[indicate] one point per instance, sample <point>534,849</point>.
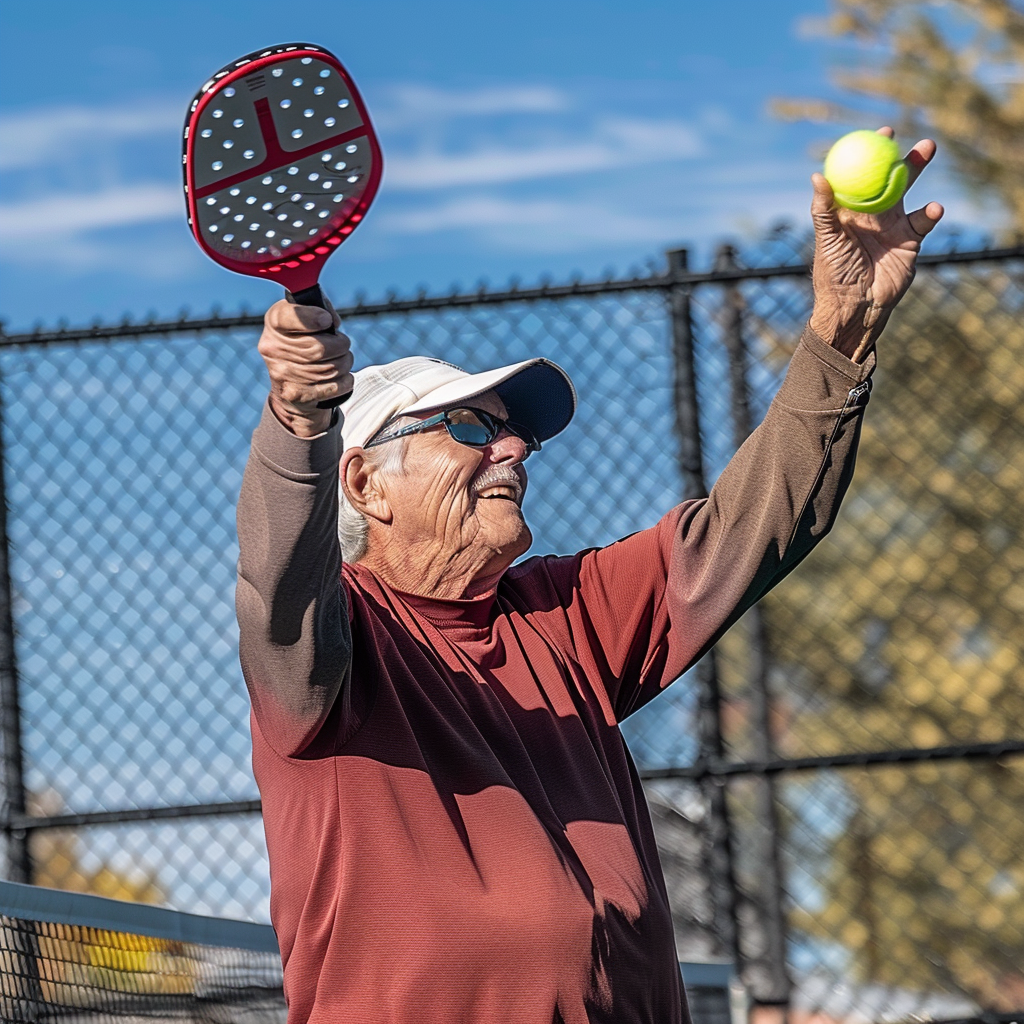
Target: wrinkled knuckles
<point>336,354</point>
<point>293,393</point>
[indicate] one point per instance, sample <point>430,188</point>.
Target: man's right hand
<point>864,263</point>
<point>308,362</point>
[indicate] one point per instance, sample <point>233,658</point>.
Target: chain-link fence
<point>838,791</point>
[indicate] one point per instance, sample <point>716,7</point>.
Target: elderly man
<point>456,831</point>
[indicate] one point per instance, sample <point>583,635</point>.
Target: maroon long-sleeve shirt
<point>456,830</point>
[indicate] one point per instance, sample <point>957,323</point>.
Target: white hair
<point>353,526</point>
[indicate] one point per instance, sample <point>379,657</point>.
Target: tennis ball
<point>866,172</point>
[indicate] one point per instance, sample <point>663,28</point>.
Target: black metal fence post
<point>711,746</point>
<point>773,985</point>
<point>19,867</point>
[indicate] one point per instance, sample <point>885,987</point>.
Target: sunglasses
<point>472,427</point>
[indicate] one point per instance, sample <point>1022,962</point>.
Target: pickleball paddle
<point>281,164</point>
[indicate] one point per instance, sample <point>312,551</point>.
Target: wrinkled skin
<point>433,528</point>
<point>451,522</point>
<point>308,361</point>
<point>864,263</point>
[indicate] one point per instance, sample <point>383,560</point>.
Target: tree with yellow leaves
<point>906,629</point>
<point>58,862</point>
<point>952,69</point>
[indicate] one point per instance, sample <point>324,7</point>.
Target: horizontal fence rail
<point>699,770</point>
<point>423,302</point>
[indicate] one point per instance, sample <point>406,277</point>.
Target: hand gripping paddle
<point>281,164</point>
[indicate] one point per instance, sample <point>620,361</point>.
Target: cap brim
<point>537,393</point>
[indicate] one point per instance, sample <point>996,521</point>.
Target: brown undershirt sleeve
<point>777,498</point>
<point>652,604</point>
<point>294,638</point>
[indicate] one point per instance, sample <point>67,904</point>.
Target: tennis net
<point>72,957</point>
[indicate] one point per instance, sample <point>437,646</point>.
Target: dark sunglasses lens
<point>470,433</point>
<point>477,428</point>
<point>469,427</point>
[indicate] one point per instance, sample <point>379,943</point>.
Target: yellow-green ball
<point>866,172</point>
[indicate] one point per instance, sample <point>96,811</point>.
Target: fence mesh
<point>904,884</point>
<point>905,630</point>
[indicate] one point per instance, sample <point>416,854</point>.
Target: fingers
<point>304,349</point>
<point>309,333</point>
<point>310,382</point>
<point>287,318</point>
<point>918,159</point>
<point>923,220</point>
<point>296,388</point>
<point>307,359</point>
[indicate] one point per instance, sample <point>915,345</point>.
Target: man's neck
<point>418,570</point>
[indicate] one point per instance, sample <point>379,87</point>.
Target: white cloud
<point>616,143</point>
<point>35,137</point>
<point>172,258</point>
<point>56,217</point>
<point>50,134</point>
<point>408,105</point>
<point>483,211</point>
<point>674,204</point>
<point>542,225</point>
<point>812,27</point>
<point>543,222</point>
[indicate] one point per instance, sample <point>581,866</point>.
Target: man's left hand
<point>864,263</point>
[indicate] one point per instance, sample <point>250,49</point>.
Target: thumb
<point>823,200</point>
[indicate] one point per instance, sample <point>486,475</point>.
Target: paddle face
<point>281,163</point>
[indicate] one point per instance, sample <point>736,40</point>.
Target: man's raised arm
<point>794,469</point>
<point>294,640</point>
<point>658,600</point>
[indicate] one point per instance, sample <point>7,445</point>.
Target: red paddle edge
<point>302,267</point>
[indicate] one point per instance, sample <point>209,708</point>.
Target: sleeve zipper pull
<point>861,389</point>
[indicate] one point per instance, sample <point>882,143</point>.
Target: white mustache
<point>499,475</point>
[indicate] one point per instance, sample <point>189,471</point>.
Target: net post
<point>771,895</point>
<point>718,834</point>
<point>12,807</point>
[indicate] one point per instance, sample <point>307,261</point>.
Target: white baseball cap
<point>537,394</point>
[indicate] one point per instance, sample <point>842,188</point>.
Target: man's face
<point>459,508</point>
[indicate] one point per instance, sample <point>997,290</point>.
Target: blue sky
<point>557,136</point>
